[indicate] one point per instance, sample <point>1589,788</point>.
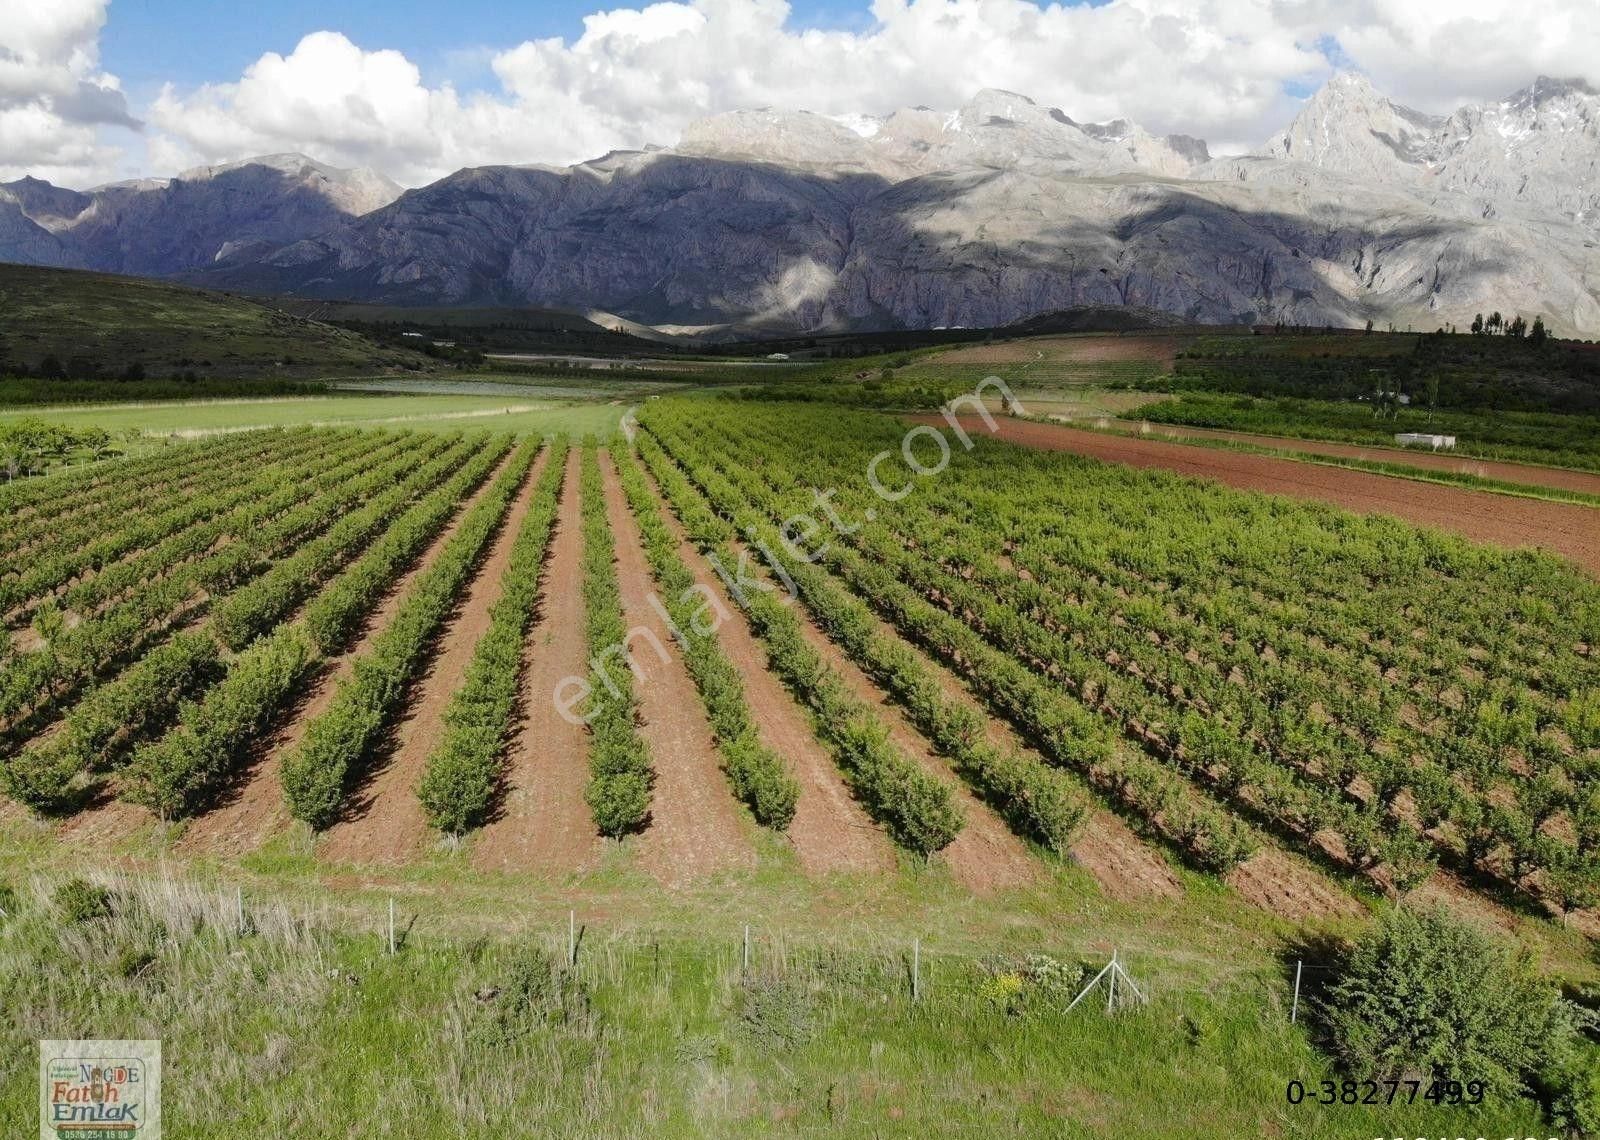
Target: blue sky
<point>147,42</point>
<point>188,42</point>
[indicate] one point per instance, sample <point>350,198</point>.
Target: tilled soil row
<point>255,810</point>
<point>543,823</point>
<point>830,830</point>
<point>695,827</point>
<point>385,822</point>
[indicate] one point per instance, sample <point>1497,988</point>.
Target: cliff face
<point>164,227</point>
<point>1361,209</point>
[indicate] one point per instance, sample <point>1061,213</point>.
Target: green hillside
<point>98,326</point>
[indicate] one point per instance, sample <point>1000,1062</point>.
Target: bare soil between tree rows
<point>254,809</point>
<point>830,830</point>
<point>384,822</point>
<point>542,822</point>
<point>695,827</point>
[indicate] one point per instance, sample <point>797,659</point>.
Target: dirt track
<point>1570,531</point>
<point>695,826</point>
<point>385,822</point>
<point>543,823</point>
<point>255,809</point>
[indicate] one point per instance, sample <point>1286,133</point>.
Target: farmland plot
<point>1392,698</point>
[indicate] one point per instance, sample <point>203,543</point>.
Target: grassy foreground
<point>296,1026</point>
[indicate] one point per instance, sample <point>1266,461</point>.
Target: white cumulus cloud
<point>1213,68</point>
<point>53,97</point>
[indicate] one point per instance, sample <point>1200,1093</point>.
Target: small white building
<point>1425,439</point>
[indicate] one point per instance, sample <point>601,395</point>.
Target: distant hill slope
<point>1094,318</point>
<point>98,324</point>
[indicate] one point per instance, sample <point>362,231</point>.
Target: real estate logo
<point>99,1090</point>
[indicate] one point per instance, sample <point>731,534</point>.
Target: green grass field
<point>513,412</point>
<point>660,1031</point>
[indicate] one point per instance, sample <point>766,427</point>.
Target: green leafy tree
<point>97,440</point>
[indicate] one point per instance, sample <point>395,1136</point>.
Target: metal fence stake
<point>1294,1008</point>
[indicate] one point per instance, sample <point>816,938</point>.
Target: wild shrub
<point>1424,996</point>
<point>1037,983</point>
<point>777,1015</point>
<point>529,996</point>
<point>78,900</point>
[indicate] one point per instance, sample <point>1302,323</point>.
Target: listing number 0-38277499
<point>1386,1092</point>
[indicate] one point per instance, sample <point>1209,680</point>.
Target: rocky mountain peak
<point>797,138</point>
<point>1544,89</point>
<point>354,190</point>
<point>993,129</point>
<point>1535,152</point>
<point>1347,125</point>
<point>51,207</point>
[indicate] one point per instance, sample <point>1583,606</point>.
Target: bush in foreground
<point>1425,996</point>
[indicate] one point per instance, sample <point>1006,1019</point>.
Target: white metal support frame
<point>1112,971</point>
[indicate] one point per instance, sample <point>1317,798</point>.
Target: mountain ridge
<point>789,221</point>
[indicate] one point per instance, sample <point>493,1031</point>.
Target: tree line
<point>30,447</point>
<point>1517,328</point>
